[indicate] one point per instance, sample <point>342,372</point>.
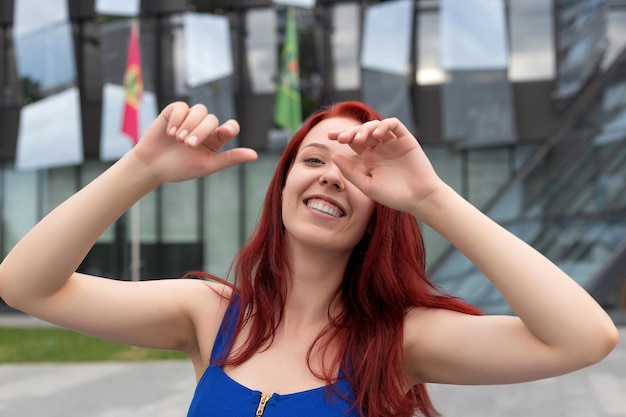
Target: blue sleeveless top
<point>218,395</point>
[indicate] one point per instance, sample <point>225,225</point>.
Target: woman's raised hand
<point>182,143</point>
<point>395,170</point>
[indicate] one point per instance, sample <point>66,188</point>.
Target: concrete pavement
<point>155,389</point>
<point>165,388</point>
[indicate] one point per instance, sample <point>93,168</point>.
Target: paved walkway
<point>165,388</point>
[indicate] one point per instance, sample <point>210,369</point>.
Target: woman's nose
<point>332,177</point>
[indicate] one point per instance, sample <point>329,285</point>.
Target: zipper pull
<point>262,403</point>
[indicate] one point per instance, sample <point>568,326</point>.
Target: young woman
<point>330,313</point>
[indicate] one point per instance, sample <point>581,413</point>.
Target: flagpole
<point>131,125</point>
<point>135,212</point>
<point>135,246</point>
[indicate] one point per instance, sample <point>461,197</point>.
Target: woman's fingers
<point>358,137</point>
<point>233,157</point>
<point>195,126</point>
<point>222,134</point>
<point>175,113</point>
<point>371,134</point>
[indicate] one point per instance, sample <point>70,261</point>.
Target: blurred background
<point>520,104</point>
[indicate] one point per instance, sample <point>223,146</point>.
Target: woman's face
<point>320,207</point>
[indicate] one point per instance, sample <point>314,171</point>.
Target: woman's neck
<point>315,278</point>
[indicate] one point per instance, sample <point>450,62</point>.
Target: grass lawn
<point>51,344</point>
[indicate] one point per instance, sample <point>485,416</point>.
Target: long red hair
<point>384,278</point>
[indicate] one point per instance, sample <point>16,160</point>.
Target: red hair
<point>384,278</point>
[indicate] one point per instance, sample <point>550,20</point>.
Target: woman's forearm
<point>552,305</point>
<point>46,257</point>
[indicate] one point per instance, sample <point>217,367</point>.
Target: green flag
<point>288,106</point>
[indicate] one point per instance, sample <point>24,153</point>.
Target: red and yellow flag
<point>133,87</point>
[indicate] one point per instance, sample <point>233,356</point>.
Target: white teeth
<point>323,208</point>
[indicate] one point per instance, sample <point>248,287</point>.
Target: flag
<point>133,87</point>
<point>288,105</point>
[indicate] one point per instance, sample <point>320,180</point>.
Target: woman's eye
<point>313,160</point>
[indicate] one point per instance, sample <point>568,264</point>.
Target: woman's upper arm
<point>163,314</point>
<point>443,346</point>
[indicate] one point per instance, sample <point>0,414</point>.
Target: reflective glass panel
<point>179,207</point>
<point>257,177</point>
<point>118,7</point>
<point>386,40</point>
<point>207,48</point>
<point>222,211</point>
<point>604,186</point>
<point>532,40</point>
<point>45,60</point>
<point>510,205</point>
<point>89,171</point>
<point>561,189</point>
<point>428,44</point>
<point>447,163</point>
<point>219,99</point>
<point>389,94</point>
<point>19,205</point>
<point>591,177</point>
<point>455,267</point>
<point>261,51</point>
<point>478,108</point>
<point>297,3</point>
<point>50,132</point>
<point>148,218</point>
<point>473,35</point>
<point>488,170</point>
<point>570,204</point>
<point>593,248</point>
<point>36,15</point>
<point>345,37</point>
<point>616,33</point>
<point>581,42</point>
<point>60,184</point>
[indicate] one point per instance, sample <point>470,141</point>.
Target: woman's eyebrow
<point>316,145</point>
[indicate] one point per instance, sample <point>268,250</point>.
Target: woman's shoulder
<point>207,304</point>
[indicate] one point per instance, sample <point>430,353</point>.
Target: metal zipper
<point>262,403</point>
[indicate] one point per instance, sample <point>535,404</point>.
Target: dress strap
<point>221,346</point>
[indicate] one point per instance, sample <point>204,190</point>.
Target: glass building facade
<point>518,103</point>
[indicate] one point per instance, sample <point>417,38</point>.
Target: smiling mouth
<point>324,207</point>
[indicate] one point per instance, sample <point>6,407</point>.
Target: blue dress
<point>218,395</point>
